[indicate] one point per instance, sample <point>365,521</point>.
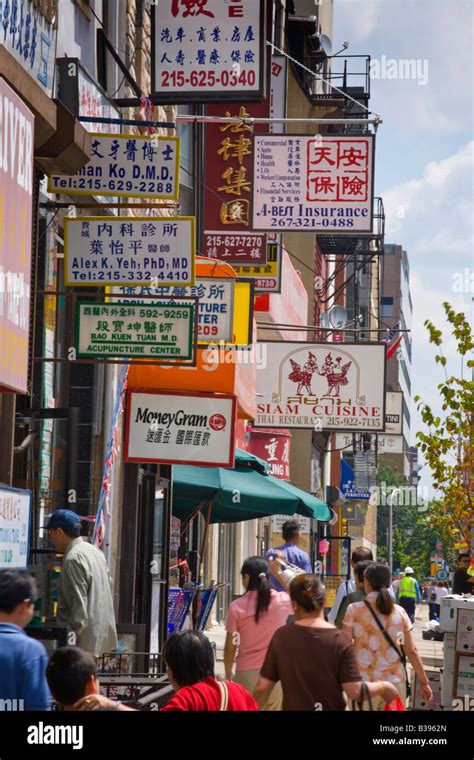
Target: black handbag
<point>390,641</point>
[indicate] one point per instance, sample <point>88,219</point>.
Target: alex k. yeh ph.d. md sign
<point>129,250</point>
<point>134,166</point>
<point>313,183</point>
<point>320,386</point>
<point>180,428</point>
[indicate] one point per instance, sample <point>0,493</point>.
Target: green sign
<point>114,330</point>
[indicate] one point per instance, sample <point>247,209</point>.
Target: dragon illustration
<point>334,371</point>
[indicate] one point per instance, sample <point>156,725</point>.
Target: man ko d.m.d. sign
<point>180,428</point>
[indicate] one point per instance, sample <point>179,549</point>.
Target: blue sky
<point>424,156</point>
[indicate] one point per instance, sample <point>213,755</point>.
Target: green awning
<point>242,493</point>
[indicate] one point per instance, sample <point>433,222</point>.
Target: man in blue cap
<point>85,597</point>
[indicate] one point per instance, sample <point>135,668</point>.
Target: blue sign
<point>348,486</point>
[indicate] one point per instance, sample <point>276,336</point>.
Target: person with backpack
<point>381,632</point>
<point>409,594</point>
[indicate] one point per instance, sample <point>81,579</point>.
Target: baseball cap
<point>65,519</point>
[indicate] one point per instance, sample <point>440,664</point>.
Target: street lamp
<point>390,526</point>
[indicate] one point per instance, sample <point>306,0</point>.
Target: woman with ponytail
<point>381,631</point>
<point>313,660</point>
<point>251,622</point>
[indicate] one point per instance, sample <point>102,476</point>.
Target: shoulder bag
<point>391,642</point>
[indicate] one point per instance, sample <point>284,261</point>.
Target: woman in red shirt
<point>190,667</point>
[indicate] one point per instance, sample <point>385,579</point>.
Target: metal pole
<point>198,119</point>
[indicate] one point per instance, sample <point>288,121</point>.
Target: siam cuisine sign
<point>303,184</point>
<point>207,50</point>
<point>322,387</point>
<point>180,428</point>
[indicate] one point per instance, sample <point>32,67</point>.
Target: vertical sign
<point>207,50</point>
<point>16,201</point>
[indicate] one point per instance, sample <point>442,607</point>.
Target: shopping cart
<point>179,605</point>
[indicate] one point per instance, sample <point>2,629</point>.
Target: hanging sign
<point>394,413</point>
<point>115,330</point>
<point>129,250</point>
<point>386,444</point>
<point>322,183</point>
<point>16,209</point>
<point>29,32</point>
<point>207,50</point>
<point>180,428</point>
<point>15,514</point>
<point>266,277</point>
<point>274,447</point>
<point>134,166</point>
<point>215,309</point>
<point>322,387</point>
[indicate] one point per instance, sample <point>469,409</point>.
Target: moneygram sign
<point>16,199</point>
<point>180,428</point>
<point>320,386</point>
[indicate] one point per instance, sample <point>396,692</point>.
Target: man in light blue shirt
<point>293,554</point>
<point>23,660</point>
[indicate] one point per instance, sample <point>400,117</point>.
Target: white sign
<point>208,50</point>
<point>134,166</point>
<point>180,428</point>
<point>27,32</point>
<point>279,520</point>
<point>215,309</point>
<point>303,184</point>
<point>320,386</point>
<point>148,330</point>
<point>15,509</point>
<point>129,250</point>
<point>394,413</point>
<point>386,444</point>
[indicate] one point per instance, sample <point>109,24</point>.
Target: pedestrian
<point>348,586</point>
<point>22,659</point>
<point>381,631</point>
<point>409,594</point>
<point>291,532</point>
<point>72,679</point>
<point>440,592</point>
<point>251,622</point>
<point>396,584</point>
<point>354,596</point>
<point>314,661</point>
<point>432,600</point>
<point>463,583</point>
<point>85,596</point>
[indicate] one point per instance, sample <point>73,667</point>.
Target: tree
<point>413,537</point>
<point>448,443</point>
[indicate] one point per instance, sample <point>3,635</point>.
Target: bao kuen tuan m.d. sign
<point>320,386</point>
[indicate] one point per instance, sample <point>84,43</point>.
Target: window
<point>387,306</point>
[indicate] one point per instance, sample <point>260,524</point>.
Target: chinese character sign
<point>320,386</point>
<point>266,277</point>
<point>208,50</point>
<point>16,199</point>
<point>28,33</point>
<point>148,330</point>
<point>134,166</point>
<point>215,308</point>
<point>129,250</point>
<point>15,508</point>
<point>313,183</point>
<point>274,448</point>
<point>180,428</point>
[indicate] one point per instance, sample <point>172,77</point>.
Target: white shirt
<point>440,593</point>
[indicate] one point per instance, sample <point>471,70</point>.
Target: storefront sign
<point>129,250</point>
<point>28,32</point>
<point>320,386</point>
<point>15,514</point>
<point>394,413</point>
<point>235,248</point>
<point>313,183</point>
<point>180,428</point>
<point>349,487</point>
<point>207,50</point>
<point>267,278</point>
<point>134,166</point>
<point>116,330</point>
<point>84,97</point>
<point>279,520</point>
<point>215,310</point>
<point>16,200</point>
<point>386,444</point>
<point>274,448</point>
